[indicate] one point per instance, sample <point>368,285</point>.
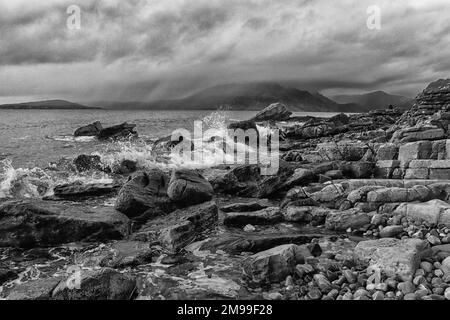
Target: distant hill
<point>246,96</point>
<point>375,100</point>
<point>47,104</point>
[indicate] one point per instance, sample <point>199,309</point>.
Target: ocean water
<point>31,139</point>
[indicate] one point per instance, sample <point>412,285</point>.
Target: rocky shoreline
<point>359,210</point>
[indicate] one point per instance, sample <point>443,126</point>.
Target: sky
<point>142,50</point>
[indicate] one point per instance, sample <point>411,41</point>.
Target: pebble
<point>410,296</point>
<point>420,272</point>
<point>289,283</point>
<point>406,287</point>
<point>360,293</point>
<point>323,283</point>
<point>347,296</point>
<point>439,291</point>
<point>419,280</point>
<point>438,273</point>
<point>314,294</point>
<point>447,293</point>
<point>303,269</point>
<point>421,293</point>
<point>274,296</point>
<point>378,295</point>
<point>349,276</point>
<point>249,228</point>
<point>434,240</point>
<point>391,231</point>
<point>333,294</point>
<point>391,283</point>
<point>381,287</point>
<point>426,266</point>
<point>390,295</point>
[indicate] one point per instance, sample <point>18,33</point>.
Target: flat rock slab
<point>393,257</point>
<point>40,289</point>
<point>262,217</point>
<point>119,254</point>
<point>238,243</point>
<point>37,223</point>
<point>179,228</point>
<point>246,206</point>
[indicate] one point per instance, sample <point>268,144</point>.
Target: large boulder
<point>393,257</point>
<point>145,193</point>
<point>89,130</point>
<point>188,187</point>
<point>181,227</point>
<point>38,223</point>
<point>247,181</point>
<point>274,112</point>
<point>275,264</point>
<point>123,130</point>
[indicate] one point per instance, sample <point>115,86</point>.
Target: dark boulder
<point>123,130</point>
<point>145,193</point>
<point>38,223</point>
<point>188,187</point>
<point>89,130</point>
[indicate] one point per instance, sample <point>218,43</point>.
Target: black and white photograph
<point>247,153</point>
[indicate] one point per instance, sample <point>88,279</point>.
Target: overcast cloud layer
<point>150,49</point>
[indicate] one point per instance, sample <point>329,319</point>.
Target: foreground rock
<point>275,264</point>
<point>37,223</point>
<point>145,195</point>
<point>188,187</point>
<point>103,284</point>
<point>393,257</point>
<point>176,230</point>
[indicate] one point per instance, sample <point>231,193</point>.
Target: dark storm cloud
<point>149,49</point>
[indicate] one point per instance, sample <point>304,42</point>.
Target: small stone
<point>249,228</point>
<point>438,273</point>
<point>347,296</point>
<point>274,296</point>
<point>406,287</point>
<point>391,231</point>
<point>333,294</point>
<point>419,280</point>
<point>420,272</point>
<point>445,240</point>
<point>390,295</point>
<point>349,276</point>
<point>314,294</point>
<point>421,293</point>
<point>303,269</point>
<point>434,240</point>
<point>360,293</point>
<point>439,291</point>
<point>410,296</point>
<point>391,283</point>
<point>381,287</point>
<point>378,295</point>
<point>447,293</point>
<point>289,282</point>
<point>323,283</point>
<point>436,297</point>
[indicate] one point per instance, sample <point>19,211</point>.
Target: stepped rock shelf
<point>359,210</point>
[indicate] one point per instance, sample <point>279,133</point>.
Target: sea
<point>33,142</point>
